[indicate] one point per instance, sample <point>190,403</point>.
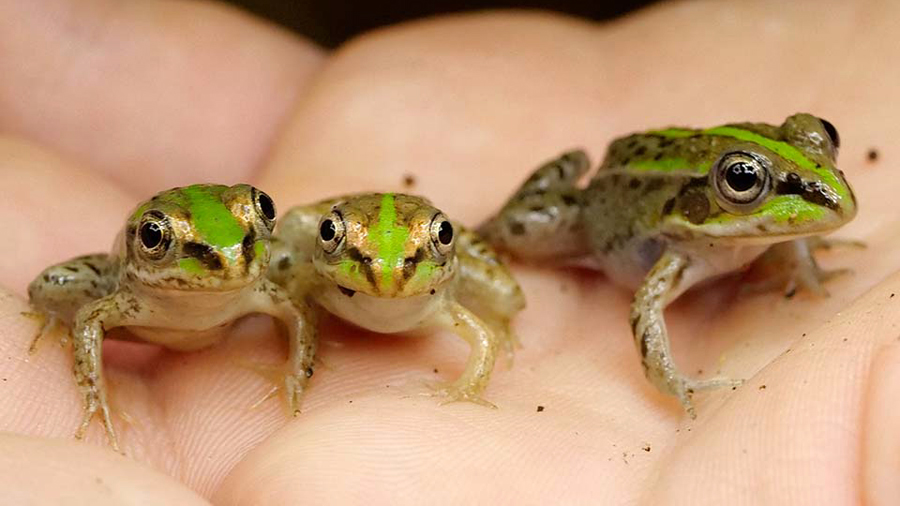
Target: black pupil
<point>445,233</point>
<point>832,132</point>
<point>327,230</point>
<point>266,206</point>
<point>741,176</point>
<point>151,235</point>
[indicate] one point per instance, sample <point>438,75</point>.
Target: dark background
<point>331,22</point>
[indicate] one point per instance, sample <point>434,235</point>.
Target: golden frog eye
<point>442,234</point>
<point>154,235</point>
<point>741,180</point>
<point>331,231</point>
<point>265,207</point>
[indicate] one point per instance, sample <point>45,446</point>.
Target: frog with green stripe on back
<point>670,208</point>
<point>188,262</point>
<point>392,263</point>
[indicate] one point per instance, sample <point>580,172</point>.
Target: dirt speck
<point>762,387</point>
<point>540,409</point>
<point>873,154</point>
<point>409,181</point>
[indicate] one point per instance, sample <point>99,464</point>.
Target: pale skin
<point>816,424</point>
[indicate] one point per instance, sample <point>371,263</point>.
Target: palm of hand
<point>469,106</point>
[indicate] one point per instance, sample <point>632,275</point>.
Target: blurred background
<point>331,22</point>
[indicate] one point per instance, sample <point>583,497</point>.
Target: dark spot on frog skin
<point>813,192</point>
<point>410,264</point>
<point>284,264</point>
<point>634,184</point>
<point>569,199</point>
<point>668,206</point>
<point>71,268</point>
<point>641,151</point>
<point>432,291</point>
<point>516,228</point>
<point>536,209</point>
<point>247,249</point>
<point>346,291</point>
<point>205,254</point>
<point>366,262</point>
<point>658,156</point>
<point>632,143</point>
<point>872,155</point>
<point>694,206</point>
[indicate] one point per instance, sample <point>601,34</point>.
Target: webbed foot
<point>453,392</point>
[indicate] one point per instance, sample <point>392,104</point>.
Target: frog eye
<point>442,234</point>
<point>265,207</point>
<point>741,180</point>
<point>832,133</point>
<point>154,235</point>
<point>331,232</point>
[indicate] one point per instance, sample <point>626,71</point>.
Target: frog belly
<point>379,314</point>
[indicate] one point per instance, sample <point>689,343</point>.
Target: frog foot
<point>685,388</point>
<point>280,380</point>
<point>453,392</point>
<point>94,404</point>
<point>47,324</point>
<point>792,266</point>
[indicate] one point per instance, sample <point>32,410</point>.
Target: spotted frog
<point>393,263</point>
<point>188,262</point>
<point>670,208</point>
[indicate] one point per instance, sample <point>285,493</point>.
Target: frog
<point>393,263</point>
<point>187,263</point>
<point>671,208</point>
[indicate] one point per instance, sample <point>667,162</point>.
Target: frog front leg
<point>484,343</point>
<point>299,318</point>
<point>792,265</point>
<point>486,285</point>
<point>91,323</point>
<point>651,337</point>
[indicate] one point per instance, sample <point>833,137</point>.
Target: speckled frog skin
<point>669,208</point>
<point>393,263</point>
<point>188,262</point>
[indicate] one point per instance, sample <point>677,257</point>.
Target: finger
<point>151,93</point>
<point>80,474</point>
<point>54,210</point>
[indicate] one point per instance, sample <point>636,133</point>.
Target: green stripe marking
<point>389,238</point>
<point>191,265</point>
<point>213,221</point>
<point>669,165</point>
<point>780,148</point>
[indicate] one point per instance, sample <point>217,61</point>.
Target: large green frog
<point>670,208</point>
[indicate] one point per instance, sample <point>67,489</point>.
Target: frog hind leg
<point>792,265</point>
<point>652,339</point>
<point>299,318</point>
<point>484,343</point>
<point>542,220</point>
<point>487,286</point>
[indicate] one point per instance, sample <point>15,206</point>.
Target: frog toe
<point>452,392</point>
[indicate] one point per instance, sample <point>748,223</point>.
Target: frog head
<point>761,183</point>
<point>199,237</point>
<point>385,245</point>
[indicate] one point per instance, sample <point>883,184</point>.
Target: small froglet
<point>188,262</point>
<point>670,208</point>
<point>392,263</point>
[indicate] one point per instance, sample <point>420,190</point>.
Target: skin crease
<point>469,105</point>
